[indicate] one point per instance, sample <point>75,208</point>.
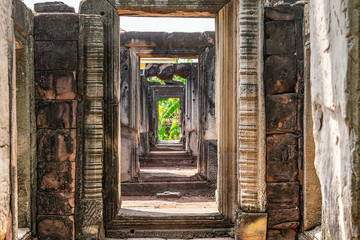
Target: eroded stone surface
<point>280,74</point>
<point>57,84</point>
<point>56,227</point>
<point>282,157</point>
<point>56,146</point>
<point>334,89</point>
<point>5,38</point>
<point>55,203</point>
<point>282,195</point>
<point>280,37</point>
<point>284,13</point>
<point>53,7</point>
<point>50,27</point>
<point>53,115</point>
<point>281,112</point>
<point>56,176</point>
<point>55,55</point>
<point>251,226</point>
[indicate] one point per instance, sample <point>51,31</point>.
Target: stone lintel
<point>251,226</point>
<point>23,21</point>
<point>47,7</point>
<point>179,8</point>
<point>163,40</point>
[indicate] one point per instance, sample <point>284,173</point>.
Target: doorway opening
<point>173,167</point>
<point>169,122</point>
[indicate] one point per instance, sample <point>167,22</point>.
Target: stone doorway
<point>250,198</point>
<point>172,179</point>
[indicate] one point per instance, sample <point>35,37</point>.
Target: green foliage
<point>180,78</point>
<point>156,79</point>
<point>169,119</point>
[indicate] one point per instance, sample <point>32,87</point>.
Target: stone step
<point>149,238</point>
<point>168,154</point>
<point>168,147</point>
<point>168,159</point>
<point>188,188</point>
<point>169,175</point>
<point>170,227</point>
<point>154,162</point>
<point>202,233</point>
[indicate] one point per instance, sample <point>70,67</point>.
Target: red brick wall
<point>283,76</point>
<point>56,47</point>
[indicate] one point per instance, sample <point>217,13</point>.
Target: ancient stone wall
<point>207,116</point>
<point>129,107</point>
<point>334,36</point>
<point>25,111</point>
<point>6,75</point>
<point>57,98</point>
<point>284,91</point>
<point>111,114</point>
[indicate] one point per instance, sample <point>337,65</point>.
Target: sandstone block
<point>50,27</point>
<point>280,38</point>
<point>282,158</point>
<point>23,18</point>
<point>55,203</point>
<point>251,226</point>
<point>288,234</point>
<point>178,40</point>
<point>56,115</point>
<point>299,41</point>
<point>144,40</point>
<point>55,55</point>
<point>282,195</point>
<point>284,218</point>
<point>280,74</point>
<point>284,13</point>
<point>169,195</point>
<point>56,146</point>
<point>56,177</point>
<point>281,113</point>
<point>52,85</point>
<point>53,7</point>
<point>55,227</point>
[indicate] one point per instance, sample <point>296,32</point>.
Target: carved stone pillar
<point>251,108</point>
<point>251,149</point>
<point>92,33</point>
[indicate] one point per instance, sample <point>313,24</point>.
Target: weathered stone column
<point>335,73</point>
<point>25,111</point>
<point>251,148</point>
<point>6,78</point>
<point>251,108</point>
<point>111,110</point>
<point>92,48</point>
<point>226,86</point>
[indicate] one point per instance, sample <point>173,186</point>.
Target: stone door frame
<point>240,107</point>
<point>161,92</point>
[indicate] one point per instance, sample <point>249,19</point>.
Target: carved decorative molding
<point>94,114</point>
<point>251,108</point>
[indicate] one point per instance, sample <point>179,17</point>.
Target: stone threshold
<point>184,218</point>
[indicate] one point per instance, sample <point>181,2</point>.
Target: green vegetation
<point>169,119</point>
<point>156,79</point>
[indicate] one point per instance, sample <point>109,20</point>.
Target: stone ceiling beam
<point>178,8</point>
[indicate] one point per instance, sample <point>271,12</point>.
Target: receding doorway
<point>173,169</point>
